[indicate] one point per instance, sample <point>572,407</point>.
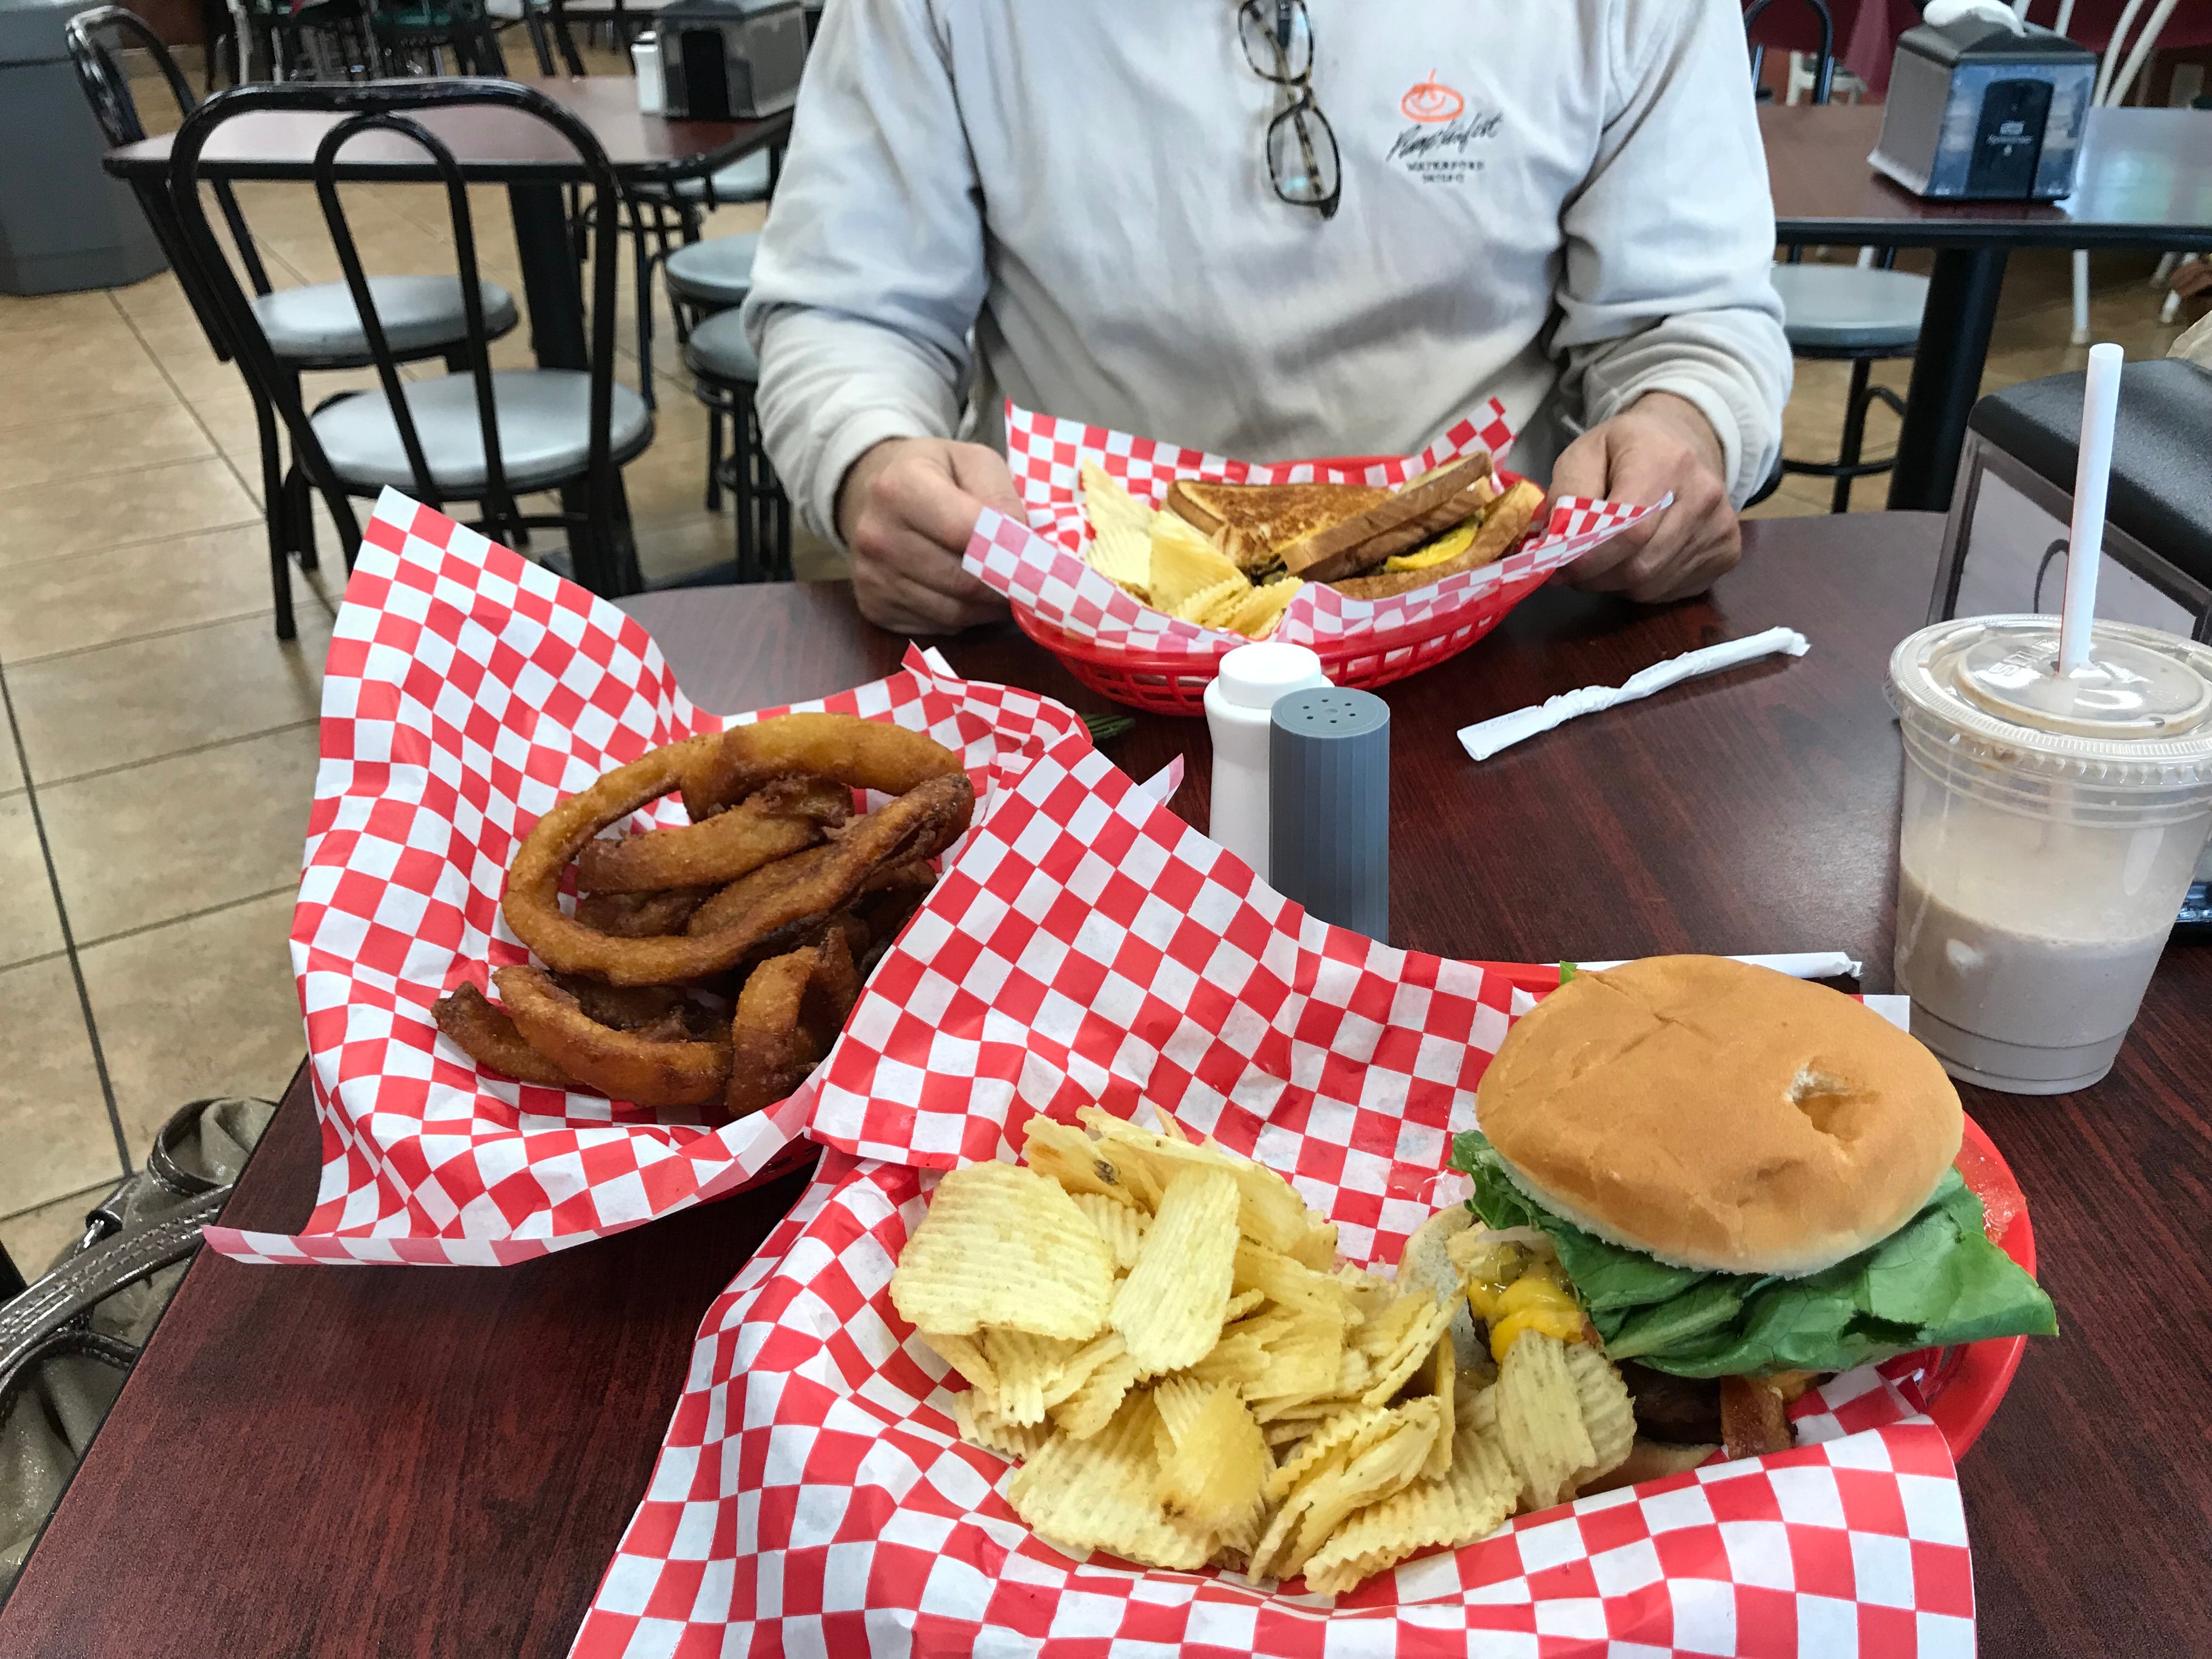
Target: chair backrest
<point>1824,72</point>
<point>392,107</point>
<point>107,89</point>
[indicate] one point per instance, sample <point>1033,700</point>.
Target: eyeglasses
<point>1301,159</point>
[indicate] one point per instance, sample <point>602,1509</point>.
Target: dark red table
<point>397,1461</point>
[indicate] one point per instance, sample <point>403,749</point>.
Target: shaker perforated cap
<point>1328,845</point>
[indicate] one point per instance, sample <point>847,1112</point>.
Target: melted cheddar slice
<point>1535,1301</point>
<point>1449,545</point>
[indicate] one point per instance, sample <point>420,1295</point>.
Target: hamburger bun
<point>1720,1117</point>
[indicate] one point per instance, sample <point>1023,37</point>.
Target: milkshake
<point>2052,824</point>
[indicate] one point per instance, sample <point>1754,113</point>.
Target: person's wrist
<point>1679,414</point>
<point>853,489</point>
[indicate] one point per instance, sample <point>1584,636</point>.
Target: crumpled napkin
<point>1940,12</point>
<point>1485,737</point>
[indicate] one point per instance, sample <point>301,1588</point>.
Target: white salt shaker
<point>645,58</point>
<point>1237,705</point>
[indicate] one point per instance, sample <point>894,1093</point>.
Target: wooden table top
<point>394,1462</point>
<point>495,144</point>
<point>2145,180</point>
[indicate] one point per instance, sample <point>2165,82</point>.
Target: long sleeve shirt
<point>1562,204</point>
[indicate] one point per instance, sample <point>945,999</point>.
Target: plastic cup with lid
<point>2051,823</point>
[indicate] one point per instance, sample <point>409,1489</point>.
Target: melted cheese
<point>1449,545</point>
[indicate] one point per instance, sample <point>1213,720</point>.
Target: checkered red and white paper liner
<point>467,691</point>
<point>1041,566</point>
<point>812,1496</point>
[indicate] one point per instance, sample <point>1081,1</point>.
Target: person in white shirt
<point>1284,229</point>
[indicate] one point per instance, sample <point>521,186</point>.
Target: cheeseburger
<point>1733,1181</point>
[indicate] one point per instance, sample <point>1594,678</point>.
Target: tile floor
<point>160,749</point>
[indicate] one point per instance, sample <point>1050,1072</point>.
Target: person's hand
<point>1658,443</point>
<point>905,510</point>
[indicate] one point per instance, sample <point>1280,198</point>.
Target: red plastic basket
<point>1162,684</point>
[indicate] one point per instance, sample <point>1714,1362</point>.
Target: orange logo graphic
<point>1430,100</point>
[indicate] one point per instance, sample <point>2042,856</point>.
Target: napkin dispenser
<point>731,60</point>
<point>1978,111</point>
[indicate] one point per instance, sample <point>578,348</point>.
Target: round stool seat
<point>717,350</point>
<point>321,324</point>
<point>716,274</point>
<point>1842,308</point>
<point>740,181</point>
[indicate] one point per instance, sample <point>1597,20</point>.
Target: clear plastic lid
<point>2139,712</point>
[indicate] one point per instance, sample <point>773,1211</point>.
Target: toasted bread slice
<point>1430,504</point>
<point>1503,526</point>
<point>1251,522</point>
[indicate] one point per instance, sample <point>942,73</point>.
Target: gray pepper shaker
<point>1329,844</point>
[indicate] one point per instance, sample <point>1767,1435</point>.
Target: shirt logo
<point>1430,100</point>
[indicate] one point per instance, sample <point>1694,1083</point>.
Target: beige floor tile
<point>53,1122</point>
<point>231,1026</point>
<point>58,451</point>
<point>34,1238</point>
<point>101,599</point>
<point>155,842</point>
<point>93,711</point>
<point>89,370</point>
<point>11,769</point>
<point>87,515</point>
<point>21,312</point>
<point>29,924</point>
<point>158,299</point>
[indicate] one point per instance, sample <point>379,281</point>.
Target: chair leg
<point>1855,412</point>
<point>2080,296</point>
<point>714,458</point>
<point>741,485</point>
<point>276,510</point>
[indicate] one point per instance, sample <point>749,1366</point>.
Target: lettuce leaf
<point>1936,1281</point>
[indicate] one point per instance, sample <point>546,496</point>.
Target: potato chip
<point>1293,1284</point>
<point>1073,1159</point>
<point>1242,1303</point>
<point>1026,1365</point>
<point>1539,1419</point>
<point>1122,553</point>
<point>1237,1359</point>
<point>1257,611</point>
<point>1371,1294</point>
<point>1304,1355</point>
<point>1348,1432</point>
<point>965,1355</point>
<point>1106,499</point>
<point>1286,1436</point>
<point>1001,1245</point>
<point>1608,1418</point>
<point>1214,1463</point>
<point>1169,1309</point>
<point>1220,598</point>
<point>1269,1211</point>
<point>1184,563</point>
<point>1477,1407</point>
<point>980,1425</point>
<point>1472,1502</point>
<point>1428,1324</point>
<point>1119,1223</point>
<point>1106,1380</point>
<point>1343,1481</point>
<point>1443,1383</point>
<point>1316,1246</point>
<point>1101,1493</point>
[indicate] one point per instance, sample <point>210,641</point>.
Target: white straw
<point>2100,409</point>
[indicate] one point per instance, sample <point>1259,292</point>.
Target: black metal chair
<point>317,327</point>
<point>1857,314</point>
<point>475,435</point>
<point>703,278</point>
<point>726,377</point>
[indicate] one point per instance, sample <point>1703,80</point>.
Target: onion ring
<point>641,915</point>
<point>626,1064</point>
<point>786,815</point>
<point>862,754</point>
<point>488,1036</point>
<point>919,824</point>
<point>788,1015</point>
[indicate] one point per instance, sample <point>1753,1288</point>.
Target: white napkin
<point>1485,737</point>
<point>1940,12</point>
<point>1798,964</point>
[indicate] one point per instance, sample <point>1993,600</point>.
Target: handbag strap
<point>90,1277</point>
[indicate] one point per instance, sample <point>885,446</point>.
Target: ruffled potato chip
<point>1169,1309</point>
<point>1209,604</point>
<point>1102,1493</point>
<point>1539,1419</point>
<point>1256,615</point>
<point>1184,563</point>
<point>1001,1245</point>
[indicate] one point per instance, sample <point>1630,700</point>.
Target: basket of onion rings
<point>569,949</point>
